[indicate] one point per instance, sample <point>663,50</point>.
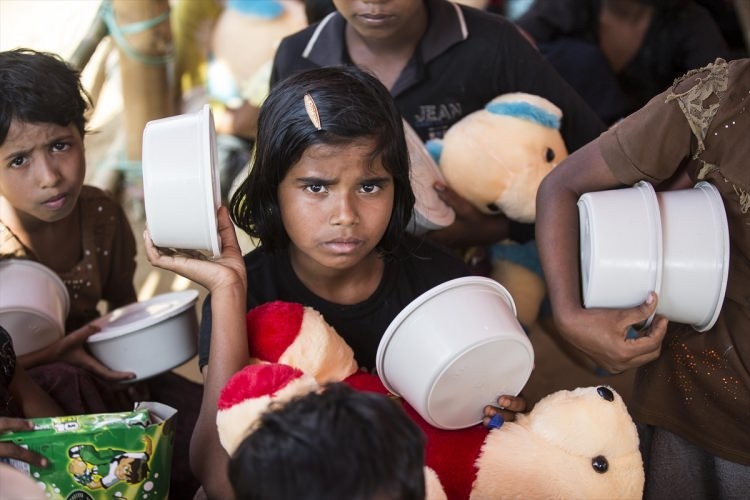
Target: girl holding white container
<point>329,198</point>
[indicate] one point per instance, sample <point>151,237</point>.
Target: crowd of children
<point>329,201</point>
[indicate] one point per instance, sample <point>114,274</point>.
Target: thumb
<point>640,314</point>
<point>452,199</point>
<point>84,332</point>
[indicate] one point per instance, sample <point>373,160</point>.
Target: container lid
<point>211,180</point>
<point>139,315</point>
<point>722,237</point>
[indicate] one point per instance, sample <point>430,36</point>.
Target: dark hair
<point>352,104</point>
<point>336,444</point>
<point>39,87</point>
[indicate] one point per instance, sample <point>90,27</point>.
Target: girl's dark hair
<point>39,87</point>
<point>352,104</point>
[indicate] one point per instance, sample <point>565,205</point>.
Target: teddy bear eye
<point>493,207</point>
<point>550,155</point>
<point>600,464</point>
<point>605,393</point>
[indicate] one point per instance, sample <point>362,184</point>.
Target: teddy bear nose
<point>550,155</point>
<point>493,207</point>
<point>605,393</point>
<point>600,464</point>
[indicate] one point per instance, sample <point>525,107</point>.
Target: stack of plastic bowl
<point>455,349</point>
<point>676,243</point>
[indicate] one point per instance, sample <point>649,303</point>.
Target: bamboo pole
<point>146,83</point>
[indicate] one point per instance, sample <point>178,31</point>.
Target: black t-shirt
<point>270,277</point>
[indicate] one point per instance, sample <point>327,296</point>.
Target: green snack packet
<point>102,456</point>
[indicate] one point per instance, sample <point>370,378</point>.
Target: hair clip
<point>312,111</point>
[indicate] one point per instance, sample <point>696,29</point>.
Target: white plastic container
<point>696,255</point>
<point>621,246</point>
<point>148,337</point>
<point>181,181</point>
<point>454,350</point>
<point>34,304</point>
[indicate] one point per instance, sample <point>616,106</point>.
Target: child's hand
<point>471,227</point>
<point>72,350</point>
<point>506,409</point>
<point>12,450</point>
<point>227,270</point>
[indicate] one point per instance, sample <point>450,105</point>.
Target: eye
<point>370,188</point>
<point>315,188</point>
<point>492,207</point>
<point>605,393</point>
<point>600,464</point>
<point>17,162</point>
<point>549,155</point>
<point>60,146</point>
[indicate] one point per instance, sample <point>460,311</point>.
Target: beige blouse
<point>107,265</point>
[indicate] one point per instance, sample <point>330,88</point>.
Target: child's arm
<point>226,279</point>
<point>34,402</point>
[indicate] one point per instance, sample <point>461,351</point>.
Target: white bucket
<point>148,337</point>
<point>621,246</point>
<point>455,349</point>
<point>34,303</point>
<point>696,255</point>
<point>181,181</point>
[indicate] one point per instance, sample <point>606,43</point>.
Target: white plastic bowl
<point>181,181</point>
<point>34,303</point>
<point>455,349</point>
<point>621,246</point>
<point>148,337</point>
<point>696,255</point>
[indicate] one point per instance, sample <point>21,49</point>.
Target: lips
<point>56,201</point>
<point>344,245</point>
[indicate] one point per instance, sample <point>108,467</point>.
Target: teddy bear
<point>496,158</point>
<point>572,444</point>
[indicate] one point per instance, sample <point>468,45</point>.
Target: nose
<point>345,211</point>
<point>47,172</point>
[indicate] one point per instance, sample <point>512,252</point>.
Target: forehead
<point>358,154</point>
<point>23,134</point>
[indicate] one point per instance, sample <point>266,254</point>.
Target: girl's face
<point>335,205</point>
<point>42,169</point>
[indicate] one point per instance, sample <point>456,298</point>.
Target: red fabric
<point>254,381</point>
<point>451,454</point>
<point>272,327</point>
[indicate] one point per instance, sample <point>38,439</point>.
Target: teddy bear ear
<point>435,148</point>
<point>250,392</point>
